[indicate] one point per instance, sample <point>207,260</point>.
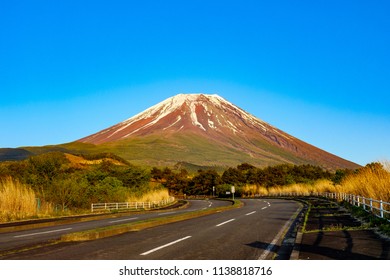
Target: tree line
<point>208,182</point>
<point>55,179</point>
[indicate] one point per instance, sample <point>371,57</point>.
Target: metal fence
<point>120,206</point>
<point>378,207</point>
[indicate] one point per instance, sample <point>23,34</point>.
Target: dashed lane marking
<point>166,213</point>
<point>164,246</point>
<point>42,232</point>
<point>123,220</point>
<point>224,223</point>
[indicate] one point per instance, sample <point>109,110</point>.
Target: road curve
<point>18,239</point>
<point>251,232</point>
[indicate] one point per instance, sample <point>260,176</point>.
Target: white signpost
<point>233,191</point>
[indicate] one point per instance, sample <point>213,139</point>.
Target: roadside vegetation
<point>58,184</point>
<point>372,180</point>
<point>17,201</point>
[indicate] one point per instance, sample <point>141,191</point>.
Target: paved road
<point>251,232</point>
<point>17,239</point>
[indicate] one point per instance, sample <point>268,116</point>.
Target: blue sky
<point>319,70</point>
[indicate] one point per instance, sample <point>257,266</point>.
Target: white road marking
<point>251,213</point>
<point>221,224</point>
<point>167,213</point>
<point>164,246</point>
<point>264,208</point>
<point>42,232</point>
<point>123,220</point>
<point>278,236</point>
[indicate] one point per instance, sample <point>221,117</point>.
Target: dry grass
<point>78,161</point>
<point>369,182</point>
<point>153,195</point>
<point>17,201</point>
<point>318,186</point>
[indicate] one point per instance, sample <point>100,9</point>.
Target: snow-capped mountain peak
<point>209,118</point>
<point>201,112</point>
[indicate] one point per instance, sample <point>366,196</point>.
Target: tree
<point>43,169</point>
<point>233,176</point>
<point>156,174</point>
<point>204,182</point>
<point>64,192</point>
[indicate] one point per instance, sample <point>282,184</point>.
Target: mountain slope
<point>207,130</point>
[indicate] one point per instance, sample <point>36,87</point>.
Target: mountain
<point>206,130</point>
<point>8,154</point>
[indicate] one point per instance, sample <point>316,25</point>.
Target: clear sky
<point>319,70</point>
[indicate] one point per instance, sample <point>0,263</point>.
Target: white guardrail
<point>120,206</point>
<point>378,207</point>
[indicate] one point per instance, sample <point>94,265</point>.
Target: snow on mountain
<point>184,111</point>
<point>211,117</point>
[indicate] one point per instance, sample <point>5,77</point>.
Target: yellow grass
<point>318,186</point>
<point>78,161</point>
<point>17,201</point>
<point>369,182</point>
<point>153,195</point>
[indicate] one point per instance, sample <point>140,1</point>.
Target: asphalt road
<point>18,239</point>
<point>252,232</point>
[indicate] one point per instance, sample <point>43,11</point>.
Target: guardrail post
<point>358,201</point>
<point>364,203</point>
<point>381,209</point>
<point>371,205</point>
<point>92,207</point>
<point>105,206</point>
